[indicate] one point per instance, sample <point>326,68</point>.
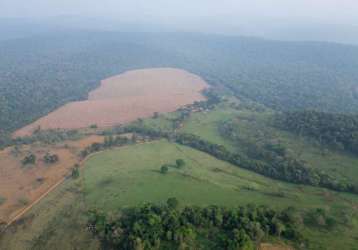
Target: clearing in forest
<point>125,98</point>
<point>21,185</point>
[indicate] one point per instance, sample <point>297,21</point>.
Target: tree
<point>75,172</point>
<point>173,203</point>
<point>164,169</point>
<point>180,163</point>
<point>29,159</point>
<point>50,158</point>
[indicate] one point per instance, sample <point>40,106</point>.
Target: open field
<point>253,127</point>
<point>20,184</point>
<point>127,175</point>
<point>130,175</point>
<point>125,98</point>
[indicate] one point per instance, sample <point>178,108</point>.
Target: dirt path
<point>52,188</point>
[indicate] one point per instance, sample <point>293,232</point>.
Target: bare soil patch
<point>21,185</point>
<point>125,98</point>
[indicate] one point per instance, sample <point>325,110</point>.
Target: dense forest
<point>40,73</point>
<point>339,131</point>
<point>171,227</point>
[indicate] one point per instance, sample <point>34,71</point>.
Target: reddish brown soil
<point>20,183</point>
<point>125,98</point>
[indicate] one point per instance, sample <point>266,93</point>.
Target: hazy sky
<point>327,11</point>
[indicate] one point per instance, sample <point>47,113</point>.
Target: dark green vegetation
<point>339,131</point>
<point>266,157</point>
<point>238,149</point>
<point>29,159</point>
<point>118,179</point>
<point>50,158</point>
<point>154,226</point>
<point>281,75</point>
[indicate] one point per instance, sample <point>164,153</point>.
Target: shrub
<point>164,169</point>
<point>75,172</point>
<point>29,159</point>
<point>180,163</point>
<point>50,158</point>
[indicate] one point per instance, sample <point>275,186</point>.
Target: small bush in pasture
<point>29,159</point>
<point>50,158</point>
<point>180,163</point>
<point>75,172</point>
<point>164,169</point>
<point>23,201</point>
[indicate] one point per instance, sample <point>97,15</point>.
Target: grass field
<point>130,176</point>
<point>206,124</point>
<point>254,126</point>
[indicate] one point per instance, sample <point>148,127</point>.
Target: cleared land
<point>125,98</point>
<point>21,185</point>
<point>130,176</point>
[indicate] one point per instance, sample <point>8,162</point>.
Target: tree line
<point>167,226</point>
<point>271,160</point>
<point>339,131</point>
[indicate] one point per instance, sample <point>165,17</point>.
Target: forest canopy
<point>41,73</point>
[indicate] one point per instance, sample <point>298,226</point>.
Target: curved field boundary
<point>125,98</point>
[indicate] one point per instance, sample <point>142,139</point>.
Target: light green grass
<point>56,222</point>
<point>206,125</point>
<point>251,125</point>
<point>130,176</point>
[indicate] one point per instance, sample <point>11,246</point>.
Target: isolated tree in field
<point>50,158</point>
<point>164,169</point>
<point>75,171</point>
<point>29,159</point>
<point>180,163</point>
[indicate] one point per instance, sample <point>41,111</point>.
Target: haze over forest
<point>318,20</point>
<point>176,124</point>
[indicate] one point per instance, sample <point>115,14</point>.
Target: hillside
<point>264,157</point>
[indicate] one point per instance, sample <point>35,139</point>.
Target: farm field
<point>125,98</point>
<point>129,176</point>
<point>20,185</point>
